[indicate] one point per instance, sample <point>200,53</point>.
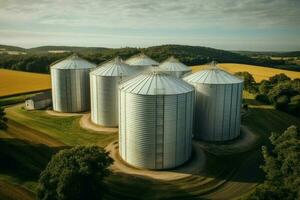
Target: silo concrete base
<point>195,165</point>
<point>86,123</point>
<point>62,114</point>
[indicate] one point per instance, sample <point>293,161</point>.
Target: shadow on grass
<point>124,186</point>
<point>24,160</point>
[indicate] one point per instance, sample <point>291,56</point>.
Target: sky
<point>257,25</point>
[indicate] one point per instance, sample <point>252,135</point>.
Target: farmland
<point>230,171</point>
<point>16,82</point>
<point>259,73</point>
<point>33,136</point>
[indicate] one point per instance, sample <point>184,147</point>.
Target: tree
<point>282,167</point>
<point>282,88</point>
<point>75,174</point>
<point>3,119</point>
<point>249,82</point>
<point>282,103</point>
<point>264,87</point>
<point>279,78</point>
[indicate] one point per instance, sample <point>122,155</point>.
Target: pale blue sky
<point>226,24</point>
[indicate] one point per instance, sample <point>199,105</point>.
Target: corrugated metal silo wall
<point>218,111</point>
<point>70,90</point>
<point>155,132</point>
<point>104,100</point>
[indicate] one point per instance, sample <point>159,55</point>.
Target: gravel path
<point>86,123</point>
<point>62,114</point>
<point>194,166</point>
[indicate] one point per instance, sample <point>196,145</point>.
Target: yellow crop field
<point>16,82</point>
<point>259,73</point>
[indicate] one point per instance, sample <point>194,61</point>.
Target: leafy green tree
<point>3,119</point>
<point>282,168</point>
<point>264,87</point>
<point>75,174</point>
<point>249,82</point>
<point>279,78</point>
<point>282,103</point>
<point>282,88</point>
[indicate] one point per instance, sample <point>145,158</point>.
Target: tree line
<point>279,90</point>
<point>39,61</point>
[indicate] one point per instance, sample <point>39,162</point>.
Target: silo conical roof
<point>172,64</point>
<point>141,60</point>
<point>156,83</point>
<point>73,62</point>
<point>213,75</point>
<point>114,67</point>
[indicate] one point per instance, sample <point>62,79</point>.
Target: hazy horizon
<point>251,25</point>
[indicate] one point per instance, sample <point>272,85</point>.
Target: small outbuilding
<point>39,101</point>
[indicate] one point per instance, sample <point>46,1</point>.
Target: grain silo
<point>218,99</point>
<point>104,82</point>
<point>141,62</point>
<point>174,67</point>
<point>156,120</point>
<point>71,85</point>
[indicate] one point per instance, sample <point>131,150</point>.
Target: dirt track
<point>61,114</point>
<point>17,130</point>
<point>85,122</point>
<point>193,166</point>
<point>10,191</point>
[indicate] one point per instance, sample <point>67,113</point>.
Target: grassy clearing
<point>64,129</point>
<point>259,73</point>
<point>16,82</point>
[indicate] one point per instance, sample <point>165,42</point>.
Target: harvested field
<point>17,82</point>
<point>259,73</point>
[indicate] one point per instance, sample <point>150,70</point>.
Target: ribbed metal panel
<point>217,105</point>
<point>155,131</point>
<point>70,90</point>
<point>71,85</point>
<point>104,91</point>
<point>104,104</point>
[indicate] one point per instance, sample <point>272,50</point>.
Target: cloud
<point>145,18</point>
<point>145,13</point>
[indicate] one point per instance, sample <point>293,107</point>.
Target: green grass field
<point>34,136</point>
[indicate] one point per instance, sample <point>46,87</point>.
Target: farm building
<point>39,101</point>
<point>104,82</point>
<point>156,120</point>
<point>218,99</point>
<point>174,67</point>
<point>71,84</point>
<point>141,62</point>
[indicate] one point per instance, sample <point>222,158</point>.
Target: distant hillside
<point>11,48</point>
<point>193,55</point>
<point>45,49</point>
<point>38,59</point>
<point>269,53</point>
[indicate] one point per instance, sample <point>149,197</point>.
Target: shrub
<point>282,103</point>
<point>75,174</point>
<point>279,78</point>
<point>262,98</point>
<point>249,82</point>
